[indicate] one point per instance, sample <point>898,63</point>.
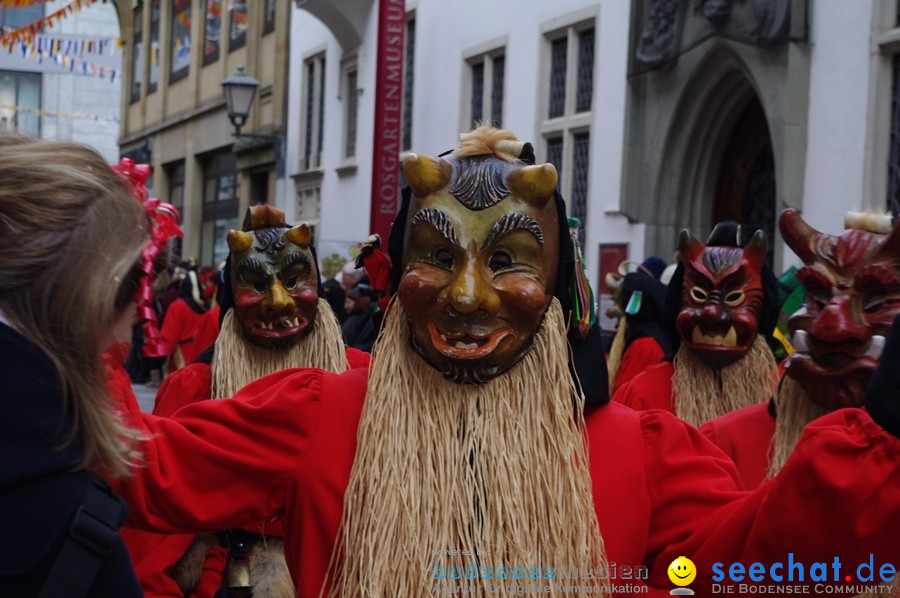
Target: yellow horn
<point>239,241</point>
<point>535,184</point>
<point>300,235</point>
<point>425,174</point>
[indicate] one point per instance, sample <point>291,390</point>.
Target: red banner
<point>388,116</point>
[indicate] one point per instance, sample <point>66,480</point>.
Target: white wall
<point>840,34</point>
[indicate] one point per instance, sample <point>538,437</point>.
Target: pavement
<point>145,396</point>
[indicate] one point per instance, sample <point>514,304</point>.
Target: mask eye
<point>444,257</point>
<point>499,260</point>
<point>259,286</point>
<point>819,297</point>
<point>734,298</point>
<point>699,295</point>
<point>290,283</point>
<point>873,304</point>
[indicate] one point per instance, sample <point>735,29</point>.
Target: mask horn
<point>425,174</point>
<point>535,184</point>
<point>756,249</point>
<point>799,236</point>
<point>300,235</point>
<point>239,241</point>
<point>891,247</point>
<point>689,246</point>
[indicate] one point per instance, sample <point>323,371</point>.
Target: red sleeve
<point>211,467</point>
<point>153,556</point>
<point>183,387</point>
<point>357,358</point>
<point>836,496</point>
<point>640,355</point>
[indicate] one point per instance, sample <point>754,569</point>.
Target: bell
<point>237,579</point>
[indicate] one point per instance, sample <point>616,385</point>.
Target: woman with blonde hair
<point>71,239</point>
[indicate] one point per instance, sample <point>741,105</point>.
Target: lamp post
<point>240,89</point>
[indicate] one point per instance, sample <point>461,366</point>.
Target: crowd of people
<point>443,404</point>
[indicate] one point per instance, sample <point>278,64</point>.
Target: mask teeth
<point>798,340</point>
<point>876,346</point>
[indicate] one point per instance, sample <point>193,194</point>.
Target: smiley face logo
<point>682,571</point>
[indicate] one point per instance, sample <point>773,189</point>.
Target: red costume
<point>180,328</point>
<point>660,489</point>
<point>745,435</point>
<point>639,356</point>
<point>649,389</point>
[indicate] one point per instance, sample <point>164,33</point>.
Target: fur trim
<point>488,141</point>
<point>269,574</point>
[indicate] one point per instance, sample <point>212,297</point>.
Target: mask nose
<point>469,291</point>
<point>277,299</point>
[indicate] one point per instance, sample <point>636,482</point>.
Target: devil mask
<point>273,279</point>
<point>479,261</point>
<point>721,298</point>
<point>852,285</point>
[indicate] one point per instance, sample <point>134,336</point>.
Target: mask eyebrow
<point>439,221</point>
<point>251,266</point>
<point>295,258</point>
<point>513,222</point>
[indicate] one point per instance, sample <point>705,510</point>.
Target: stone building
<point>174,117</point>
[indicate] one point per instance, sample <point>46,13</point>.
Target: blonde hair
<point>70,233</point>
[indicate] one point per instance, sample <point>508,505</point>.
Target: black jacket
<point>39,487</point>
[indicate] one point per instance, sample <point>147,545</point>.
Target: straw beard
<point>238,362</point>
<point>500,469</point>
<point>616,352</point>
<point>702,393</point>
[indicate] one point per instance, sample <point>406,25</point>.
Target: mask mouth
<point>281,328</point>
<point>466,344</point>
<point>700,337</point>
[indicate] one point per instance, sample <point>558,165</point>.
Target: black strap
<point>92,535</point>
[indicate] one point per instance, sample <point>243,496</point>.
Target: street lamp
<point>240,89</point>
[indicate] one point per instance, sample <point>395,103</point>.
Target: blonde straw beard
<point>794,410</point>
<point>702,393</point>
<point>616,350</point>
<point>238,362</point>
<point>500,469</point>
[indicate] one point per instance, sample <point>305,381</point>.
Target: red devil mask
<point>721,298</point>
<point>852,284</point>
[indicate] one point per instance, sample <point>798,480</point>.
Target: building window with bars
<point>408,61</point>
<point>313,118</point>
<point>220,206</point>
<point>566,115</point>
<point>20,103</point>
<point>485,89</point>
<point>137,55</point>
<point>350,97</point>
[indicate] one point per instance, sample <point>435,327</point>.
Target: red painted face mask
<point>721,298</point>
<point>852,284</point>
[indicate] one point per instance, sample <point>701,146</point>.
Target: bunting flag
<point>70,53</point>
<point>60,113</point>
<point>27,32</point>
<point>19,3</point>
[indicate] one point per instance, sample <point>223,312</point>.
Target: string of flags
<point>19,3</point>
<point>26,32</point>
<point>60,113</point>
<point>70,53</point>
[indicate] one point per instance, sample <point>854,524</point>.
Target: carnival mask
<point>721,298</point>
<point>275,284</point>
<point>480,260</point>
<point>852,295</point>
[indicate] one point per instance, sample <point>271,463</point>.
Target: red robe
<point>286,444</point>
<point>180,327</point>
<point>745,435</point>
<point>153,554</point>
<point>643,353</point>
<point>651,389</point>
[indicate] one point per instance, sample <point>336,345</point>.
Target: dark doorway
<point>259,187</point>
<point>745,191</point>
